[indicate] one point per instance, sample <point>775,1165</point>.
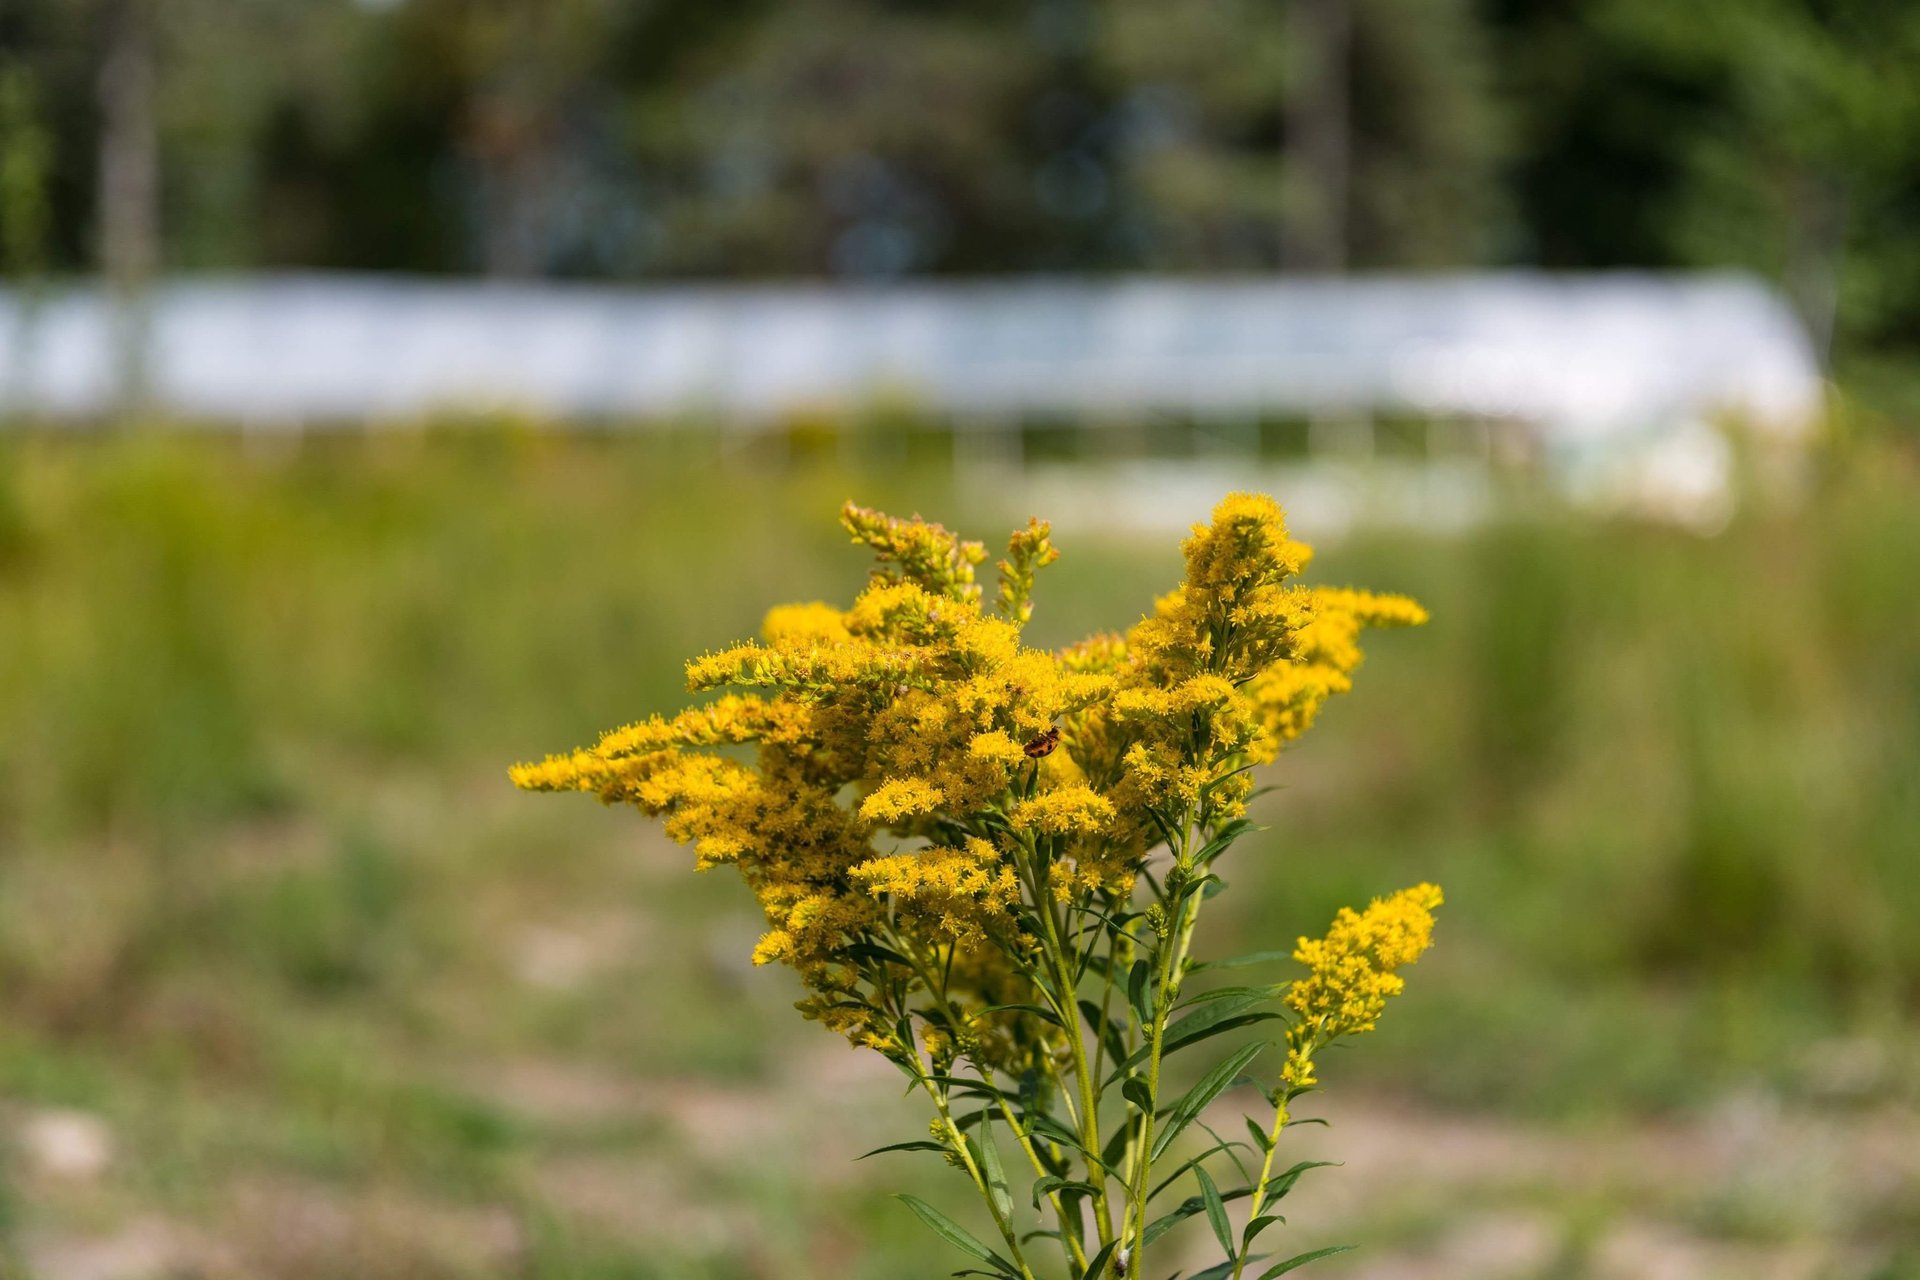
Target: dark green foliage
<point>866,137</point>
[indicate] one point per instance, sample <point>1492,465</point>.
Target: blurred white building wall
<point>1583,356</point>
<point>1616,378</point>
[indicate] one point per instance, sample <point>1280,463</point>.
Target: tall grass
<point>255,700</point>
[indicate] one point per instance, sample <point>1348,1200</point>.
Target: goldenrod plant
<point>988,863</point>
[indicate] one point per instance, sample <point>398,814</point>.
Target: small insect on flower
<point>1042,745</point>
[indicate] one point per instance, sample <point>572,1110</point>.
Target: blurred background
<point>393,389</point>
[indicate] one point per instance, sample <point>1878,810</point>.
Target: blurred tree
<point>853,136</point>
<point>1805,169</point>
<point>1431,137</point>
<point>129,182</point>
<point>26,155</point>
<point>26,158</point>
<point>1321,134</point>
<point>1778,135</point>
<point>636,138</point>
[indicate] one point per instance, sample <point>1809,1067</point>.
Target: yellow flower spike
<point>900,798</point>
<point>1028,551</point>
<point>1298,1070</point>
<point>997,746</point>
<point>1351,970</point>
<point>576,771</point>
<point>916,551</point>
<point>1065,811</point>
<point>796,624</point>
<point>959,893</point>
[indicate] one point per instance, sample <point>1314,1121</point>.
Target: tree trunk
<point>129,198</point>
<point>1318,137</point>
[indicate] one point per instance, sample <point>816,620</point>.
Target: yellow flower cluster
<point>1351,972</point>
<point>921,552</point>
<point>1227,669</point>
<point>962,894</point>
<point>1028,551</point>
<point>915,770</point>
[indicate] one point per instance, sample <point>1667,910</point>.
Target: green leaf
<point>1216,1211</point>
<point>1049,1185</point>
<point>1210,1086</point>
<point>1214,1017</point>
<point>1104,1028</point>
<point>1137,991</point>
<point>1284,1183</point>
<point>1301,1260</point>
<point>1181,1212</point>
<point>1219,1270</point>
<point>874,951</point>
<point>921,1145</point>
<point>1241,962</point>
<point>1135,1091</point>
<point>1255,995</point>
<point>976,1088</point>
<point>1046,1126</point>
<point>1097,1264</point>
<point>1256,1225</point>
<point>1260,1136</point>
<point>1227,834</point>
<point>955,1234</point>
<point>1230,1148</point>
<point>1175,1176</point>
<point>996,1176</point>
<point>1199,884</point>
<point>1039,1011</point>
<point>1116,1147</point>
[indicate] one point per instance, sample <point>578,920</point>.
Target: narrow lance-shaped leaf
<point>1216,1211</point>
<point>1220,1270</point>
<point>1137,992</point>
<point>921,1145</point>
<point>1105,1028</point>
<point>1097,1264</point>
<point>1284,1183</point>
<point>1212,1018</point>
<point>1302,1259</point>
<point>1240,962</point>
<point>1177,1174</point>
<point>995,1175</point>
<point>1211,1086</point>
<point>1050,1185</point>
<point>955,1234</point>
<point>1232,1149</point>
<point>1184,1210</point>
<point>1261,1138</point>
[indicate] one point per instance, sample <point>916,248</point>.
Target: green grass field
<point>293,984</point>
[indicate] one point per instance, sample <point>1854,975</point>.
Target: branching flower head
<point>952,836</point>
<point>1351,972</point>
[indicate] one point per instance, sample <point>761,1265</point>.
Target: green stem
<point>1259,1200</point>
<point>1173,951</point>
<point>1075,1250</point>
<point>958,1141</point>
<point>1083,1074</point>
<point>939,1097</point>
